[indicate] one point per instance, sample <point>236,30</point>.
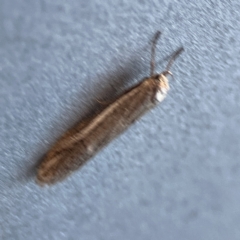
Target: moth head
<point>163,81</point>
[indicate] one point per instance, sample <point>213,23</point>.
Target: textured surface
<point>175,174</point>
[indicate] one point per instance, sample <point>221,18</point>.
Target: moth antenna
<point>173,58</point>
<point>153,52</point>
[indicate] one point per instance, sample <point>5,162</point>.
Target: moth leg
<point>103,102</point>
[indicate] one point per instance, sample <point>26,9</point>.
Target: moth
<point>82,142</point>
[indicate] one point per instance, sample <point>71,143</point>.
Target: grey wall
<point>175,174</point>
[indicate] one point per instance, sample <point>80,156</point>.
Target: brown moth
<point>87,138</point>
